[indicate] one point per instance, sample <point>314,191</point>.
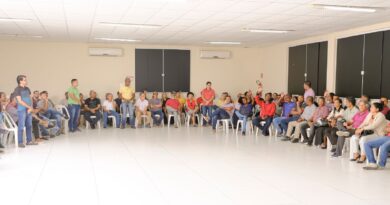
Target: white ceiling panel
<point>183,21</point>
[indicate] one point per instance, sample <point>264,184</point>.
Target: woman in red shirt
<point>267,112</point>
<point>191,107</point>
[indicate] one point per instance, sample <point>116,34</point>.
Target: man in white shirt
<point>109,109</point>
<point>141,107</point>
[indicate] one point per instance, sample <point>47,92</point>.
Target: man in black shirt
<point>92,109</point>
<point>118,102</point>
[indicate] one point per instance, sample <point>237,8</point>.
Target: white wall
<point>50,66</point>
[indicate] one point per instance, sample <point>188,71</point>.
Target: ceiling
<point>184,22</point>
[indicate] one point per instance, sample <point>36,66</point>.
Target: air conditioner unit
<point>215,54</point>
<point>113,52</point>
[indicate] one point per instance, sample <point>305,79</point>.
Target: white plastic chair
<point>64,110</point>
<point>225,124</point>
<point>11,127</point>
<point>143,119</point>
<point>262,123</point>
<point>162,121</point>
<point>87,125</point>
<point>188,119</point>
<point>241,122</point>
<point>170,116</point>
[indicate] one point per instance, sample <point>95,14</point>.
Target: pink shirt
<point>309,92</point>
<point>321,112</point>
<point>358,118</point>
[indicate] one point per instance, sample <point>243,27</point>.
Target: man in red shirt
<point>208,95</point>
<point>173,107</point>
<point>267,112</point>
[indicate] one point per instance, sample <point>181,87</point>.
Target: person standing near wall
<point>127,106</point>
<point>24,102</point>
<point>74,106</point>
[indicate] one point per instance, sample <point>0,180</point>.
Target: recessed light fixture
<point>14,20</point>
<point>130,25</point>
<point>347,8</point>
<point>117,39</point>
<point>224,43</point>
<point>254,30</point>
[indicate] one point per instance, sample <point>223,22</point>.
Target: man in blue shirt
<point>288,106</point>
<point>24,101</point>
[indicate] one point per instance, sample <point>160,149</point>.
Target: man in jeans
<point>156,109</point>
<point>287,107</point>
<point>24,100</point>
<point>127,106</point>
<point>383,144</point>
<point>208,95</point>
<point>47,110</point>
<point>74,106</point>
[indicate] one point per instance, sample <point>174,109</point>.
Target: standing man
<point>24,101</point>
<point>208,95</point>
<point>127,106</point>
<point>308,90</point>
<point>74,106</point>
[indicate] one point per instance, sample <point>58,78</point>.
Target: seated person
<point>287,106</point>
<point>110,109</point>
<point>3,100</point>
<point>191,107</point>
<point>321,113</point>
<point>208,95</point>
<point>156,109</point>
<point>383,144</point>
<point>92,109</point>
<point>267,113</point>
<point>141,109</point>
<point>294,115</point>
<point>182,100</point>
<point>118,102</point>
<point>174,108</point>
<point>302,121</point>
<point>385,103</point>
<point>336,115</point>
<point>2,126</point>
<point>366,99</point>
<point>164,99</point>
<point>244,112</point>
<point>224,112</point>
<point>372,128</point>
<point>12,109</point>
<point>329,100</point>
<point>350,126</point>
<point>347,116</point>
<point>47,110</point>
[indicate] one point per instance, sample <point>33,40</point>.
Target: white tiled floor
<point>182,166</point>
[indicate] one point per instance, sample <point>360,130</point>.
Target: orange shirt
<point>191,104</point>
<point>208,95</point>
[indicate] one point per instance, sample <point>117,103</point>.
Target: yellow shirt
<point>127,92</point>
<point>182,101</point>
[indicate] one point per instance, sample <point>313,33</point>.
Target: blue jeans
<point>157,120</point>
<point>284,122</point>
<point>242,117</point>
<point>45,131</point>
<point>268,121</point>
<point>127,108</point>
<point>207,111</point>
<point>219,114</point>
<point>111,113</point>
<point>277,121</point>
<point>24,120</point>
<point>383,144</point>
<point>74,112</point>
<point>54,115</point>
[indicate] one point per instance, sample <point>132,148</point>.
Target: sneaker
<point>285,138</point>
<point>305,141</point>
<point>21,145</point>
<point>295,140</point>
<point>342,133</point>
<point>32,143</point>
<point>371,166</point>
<point>333,150</point>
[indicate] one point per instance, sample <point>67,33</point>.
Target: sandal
<point>355,158</point>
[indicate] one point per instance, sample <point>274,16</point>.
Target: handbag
<point>321,123</point>
<point>367,132</point>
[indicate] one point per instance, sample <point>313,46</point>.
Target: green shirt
<point>76,93</point>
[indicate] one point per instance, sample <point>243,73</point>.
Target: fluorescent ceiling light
<point>19,36</point>
<point>117,39</point>
<point>254,30</point>
<point>131,25</point>
<point>224,43</point>
<point>14,20</point>
<point>347,8</point>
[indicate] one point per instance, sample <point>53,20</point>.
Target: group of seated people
<point>315,120</point>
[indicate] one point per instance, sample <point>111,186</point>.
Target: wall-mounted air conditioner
<point>215,54</point>
<point>112,52</point>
